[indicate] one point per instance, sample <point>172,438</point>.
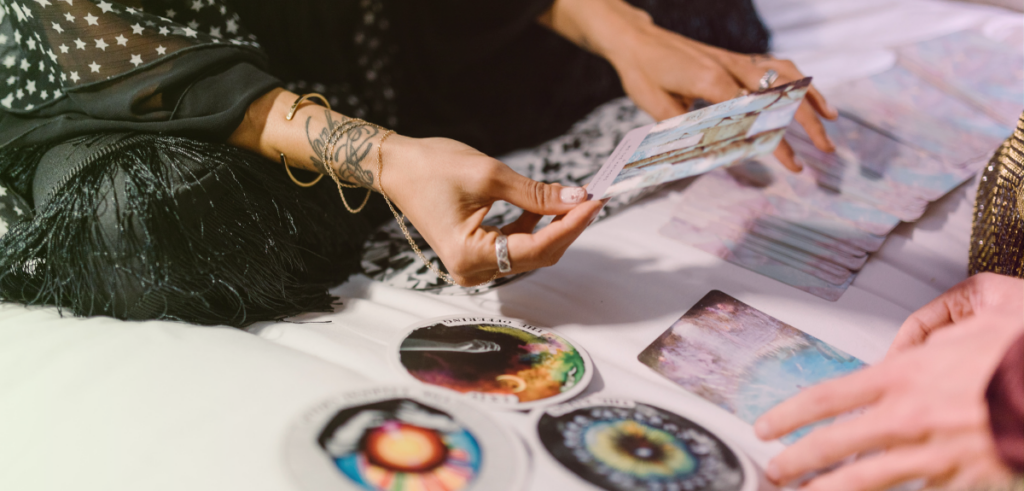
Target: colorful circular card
<point>503,363</point>
<point>402,438</point>
<point>621,445</point>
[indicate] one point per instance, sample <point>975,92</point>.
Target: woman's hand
<point>970,297</point>
<point>445,188</point>
<point>925,414</point>
<point>664,72</point>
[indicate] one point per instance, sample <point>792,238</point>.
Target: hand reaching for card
<point>925,415</point>
<point>664,72</point>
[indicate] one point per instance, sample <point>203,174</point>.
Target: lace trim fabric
<point>50,47</point>
<point>997,242</point>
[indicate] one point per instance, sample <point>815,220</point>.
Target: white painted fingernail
<point>573,195</point>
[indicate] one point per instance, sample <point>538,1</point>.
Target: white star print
<point>232,26</point>
<point>11,80</point>
<point>24,64</point>
<point>121,40</point>
<point>197,5</point>
<point>3,39</point>
<point>63,48</point>
<point>3,191</point>
<point>18,94</point>
<point>16,209</point>
<point>74,77</point>
<point>17,36</point>
<point>171,13</point>
<point>79,43</point>
<point>137,29</point>
<point>91,19</point>
<point>9,61</point>
<point>52,55</point>
<point>105,7</point>
<point>193,25</point>
<point>56,93</point>
<point>51,77</point>
<point>95,67</point>
<point>69,17</point>
<point>136,60</point>
<point>215,32</point>
<point>7,101</point>
<point>42,3</point>
<point>31,43</point>
<point>160,50</point>
<point>44,94</point>
<point>27,108</point>
<point>57,27</point>
<point>69,2</point>
<point>189,32</point>
<point>101,44</point>
<point>131,11</point>
<point>164,30</point>
<point>30,87</point>
<point>41,65</point>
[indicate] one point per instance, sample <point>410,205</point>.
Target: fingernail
<point>573,195</point>
<point>831,109</point>
<point>772,472</point>
<point>830,142</point>
<point>594,215</point>
<point>762,429</point>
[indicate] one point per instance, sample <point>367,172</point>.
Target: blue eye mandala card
<point>742,359</point>
<point>701,140</point>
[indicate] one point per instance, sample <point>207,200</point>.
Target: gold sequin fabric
<point>997,242</point>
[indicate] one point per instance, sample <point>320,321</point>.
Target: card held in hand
<point>699,141</point>
<point>741,359</point>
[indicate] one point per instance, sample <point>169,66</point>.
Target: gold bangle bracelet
<point>289,117</point>
<point>284,160</point>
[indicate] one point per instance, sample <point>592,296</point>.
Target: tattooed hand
<point>444,187</point>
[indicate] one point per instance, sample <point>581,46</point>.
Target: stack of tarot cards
<point>904,138</point>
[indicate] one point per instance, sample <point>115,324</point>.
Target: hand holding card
<point>702,140</point>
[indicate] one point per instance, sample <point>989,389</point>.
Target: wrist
<point>608,28</point>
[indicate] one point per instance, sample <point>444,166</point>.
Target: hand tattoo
<point>347,154</point>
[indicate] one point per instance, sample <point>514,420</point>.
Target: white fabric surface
<point>108,405</point>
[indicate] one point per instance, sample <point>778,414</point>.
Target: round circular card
<point>503,363</point>
<point>402,438</point>
<point>622,445</point>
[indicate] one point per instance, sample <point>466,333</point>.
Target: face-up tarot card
<point>741,359</point>
<point>699,141</point>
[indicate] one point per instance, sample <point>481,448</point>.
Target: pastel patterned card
<point>742,359</point>
<point>701,140</point>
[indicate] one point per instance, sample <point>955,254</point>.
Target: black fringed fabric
<point>141,226</point>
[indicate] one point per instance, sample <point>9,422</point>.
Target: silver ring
<point>767,80</point>
<point>501,250</point>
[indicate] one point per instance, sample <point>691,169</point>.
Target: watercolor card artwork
<point>496,361</point>
<point>741,359</point>
<point>701,140</point>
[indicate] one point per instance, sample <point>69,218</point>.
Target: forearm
<point>303,139</point>
<point>603,27</point>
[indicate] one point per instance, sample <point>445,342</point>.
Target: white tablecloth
<point>109,405</point>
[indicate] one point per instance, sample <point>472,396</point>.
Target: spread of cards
<point>904,139</point>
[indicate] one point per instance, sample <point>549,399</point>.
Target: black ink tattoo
<point>348,153</point>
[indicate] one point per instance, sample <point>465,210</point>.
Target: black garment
<point>183,227</point>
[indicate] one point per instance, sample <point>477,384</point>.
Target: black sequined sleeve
<point>72,67</point>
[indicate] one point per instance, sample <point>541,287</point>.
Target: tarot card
<point>623,445</point>
<point>900,104</point>
<point>741,359</point>
<point>980,71</point>
<point>699,141</point>
<point>402,438</point>
<point>499,362</point>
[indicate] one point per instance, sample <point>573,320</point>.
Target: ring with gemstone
<point>501,250</point>
<point>767,80</point>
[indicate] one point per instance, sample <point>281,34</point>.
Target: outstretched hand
<point>925,415</point>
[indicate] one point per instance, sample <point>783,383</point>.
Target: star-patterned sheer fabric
<point>50,47</point>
